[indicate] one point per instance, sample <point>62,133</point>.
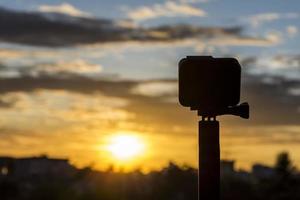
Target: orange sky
<point>85,72</point>
<point>68,124</point>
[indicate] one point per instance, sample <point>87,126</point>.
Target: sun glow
<point>125,147</point>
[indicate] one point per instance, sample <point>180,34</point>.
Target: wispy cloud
<point>194,1</point>
<point>284,66</point>
<point>59,68</point>
<point>156,89</point>
<point>295,91</point>
<point>292,30</point>
<point>269,39</point>
<point>75,67</point>
<point>60,108</point>
<point>167,9</point>
<point>259,19</point>
<point>64,8</point>
<point>11,54</point>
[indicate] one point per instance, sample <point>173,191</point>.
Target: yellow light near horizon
<point>125,147</point>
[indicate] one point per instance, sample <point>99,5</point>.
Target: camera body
<point>209,84</point>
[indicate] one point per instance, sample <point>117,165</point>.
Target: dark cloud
<point>75,84</point>
<point>54,29</point>
<point>39,29</point>
<point>5,104</point>
<point>270,102</point>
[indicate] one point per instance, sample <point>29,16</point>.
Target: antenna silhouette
<point>212,87</point>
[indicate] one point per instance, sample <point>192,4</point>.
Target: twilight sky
<point>75,73</point>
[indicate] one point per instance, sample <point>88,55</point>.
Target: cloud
<point>168,9</point>
<point>281,94</point>
<point>285,66</point>
<point>59,68</point>
<point>59,108</point>
<point>294,91</point>
<point>271,100</point>
<point>259,19</point>
<point>11,54</point>
<point>292,30</point>
<point>45,31</point>
<point>88,31</point>
<point>63,8</point>
<point>269,40</point>
<point>151,97</point>
<point>194,1</point>
<point>73,83</point>
<point>76,66</point>
<point>155,89</point>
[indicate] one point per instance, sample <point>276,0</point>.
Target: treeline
<point>171,183</point>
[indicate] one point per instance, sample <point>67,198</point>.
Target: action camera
<point>209,84</point>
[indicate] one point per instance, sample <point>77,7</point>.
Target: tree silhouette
<point>283,164</point>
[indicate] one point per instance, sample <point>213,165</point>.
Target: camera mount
<point>210,86</point>
<point>241,110</point>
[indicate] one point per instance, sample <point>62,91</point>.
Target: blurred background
<point>91,86</point>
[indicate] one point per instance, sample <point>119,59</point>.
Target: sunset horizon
<point>97,82</point>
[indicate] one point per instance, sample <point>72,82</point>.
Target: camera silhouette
<point>211,86</point>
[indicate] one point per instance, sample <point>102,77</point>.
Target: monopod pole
<point>209,160</point>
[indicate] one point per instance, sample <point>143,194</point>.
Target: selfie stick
<point>210,86</point>
<point>209,150</point>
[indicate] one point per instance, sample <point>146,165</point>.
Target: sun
<point>125,147</point>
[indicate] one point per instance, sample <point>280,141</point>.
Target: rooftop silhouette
<point>48,178</point>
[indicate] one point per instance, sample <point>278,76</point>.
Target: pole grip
<point>209,161</point>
